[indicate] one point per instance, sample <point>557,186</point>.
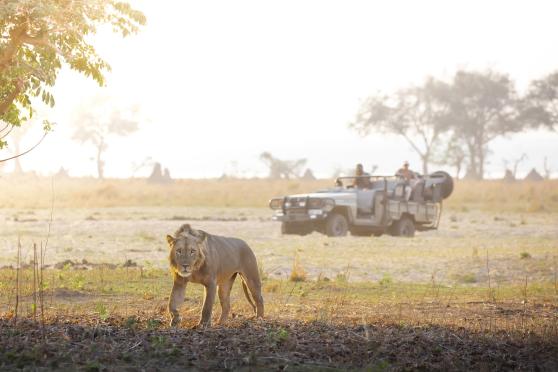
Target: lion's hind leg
<point>224,292</point>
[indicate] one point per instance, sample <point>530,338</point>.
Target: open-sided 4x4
<point>388,204</point>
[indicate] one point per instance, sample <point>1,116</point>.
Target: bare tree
<point>97,121</point>
<point>147,162</point>
<point>516,163</point>
<point>282,168</point>
<point>546,168</point>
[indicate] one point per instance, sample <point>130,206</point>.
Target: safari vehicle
<point>389,204</point>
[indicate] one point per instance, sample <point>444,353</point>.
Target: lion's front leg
<point>176,299</point>
<point>210,290</point>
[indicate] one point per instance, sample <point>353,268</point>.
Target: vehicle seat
<point>417,192</point>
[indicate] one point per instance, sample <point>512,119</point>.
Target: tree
<point>540,105</point>
<point>546,169</point>
<point>282,168</point>
<point>98,120</point>
<point>37,38</point>
<point>482,106</point>
<point>452,153</point>
<point>515,166</point>
<point>414,113</point>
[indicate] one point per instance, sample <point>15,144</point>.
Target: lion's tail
<point>247,294</point>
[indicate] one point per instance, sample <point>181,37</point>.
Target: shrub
<point>298,274</point>
<point>524,255</point>
<point>386,280</point>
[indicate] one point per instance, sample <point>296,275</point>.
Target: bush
<point>298,274</point>
<point>524,255</point>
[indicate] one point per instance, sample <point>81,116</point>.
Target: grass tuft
<point>298,274</point>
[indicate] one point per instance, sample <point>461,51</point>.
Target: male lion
<point>213,261</point>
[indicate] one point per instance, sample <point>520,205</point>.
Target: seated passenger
<point>410,178</point>
<point>362,179</point>
<point>406,173</point>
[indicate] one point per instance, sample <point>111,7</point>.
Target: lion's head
<point>186,250</point>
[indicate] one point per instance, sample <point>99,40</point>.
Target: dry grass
<point>479,294</point>
<point>111,318</point>
<point>32,192</point>
<point>298,274</point>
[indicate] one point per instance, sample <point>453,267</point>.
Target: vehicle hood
<point>331,194</point>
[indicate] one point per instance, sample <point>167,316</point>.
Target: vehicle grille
<point>296,205</point>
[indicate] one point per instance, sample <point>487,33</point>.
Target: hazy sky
<point>222,81</point>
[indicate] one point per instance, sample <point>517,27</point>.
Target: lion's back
<point>230,251</point>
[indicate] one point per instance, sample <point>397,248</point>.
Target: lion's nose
<point>186,267</point>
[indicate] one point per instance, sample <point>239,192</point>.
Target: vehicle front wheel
<point>403,227</point>
<point>336,225</point>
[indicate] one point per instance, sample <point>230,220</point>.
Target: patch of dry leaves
<point>137,343</point>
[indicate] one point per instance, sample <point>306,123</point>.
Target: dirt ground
<point>512,246</point>
<point>121,344</point>
<point>479,294</point>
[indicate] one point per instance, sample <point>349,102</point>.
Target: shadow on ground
<point>134,343</point>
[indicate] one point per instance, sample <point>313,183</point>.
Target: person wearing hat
<point>405,172</point>
<point>362,179</point>
<point>410,178</point>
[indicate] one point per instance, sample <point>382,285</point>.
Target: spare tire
<point>446,184</point>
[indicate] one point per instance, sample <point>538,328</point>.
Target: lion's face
<point>186,253</point>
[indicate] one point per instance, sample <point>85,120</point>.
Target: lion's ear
<point>203,236</point>
<point>200,235</point>
<point>170,240</point>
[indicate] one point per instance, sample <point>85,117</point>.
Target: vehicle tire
<point>447,185</point>
<point>336,225</point>
<point>289,228</point>
<point>403,227</point>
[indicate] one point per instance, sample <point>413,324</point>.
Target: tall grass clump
<point>298,274</point>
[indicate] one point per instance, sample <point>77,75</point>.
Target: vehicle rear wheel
<point>289,228</point>
<point>336,225</point>
<point>403,227</point>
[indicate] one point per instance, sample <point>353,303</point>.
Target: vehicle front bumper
<point>309,215</point>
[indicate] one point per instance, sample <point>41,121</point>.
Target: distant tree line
<point>285,169</point>
<point>453,123</point>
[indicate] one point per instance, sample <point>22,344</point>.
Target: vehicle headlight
<point>329,204</point>
<point>314,203</point>
<point>276,203</point>
<point>321,203</point>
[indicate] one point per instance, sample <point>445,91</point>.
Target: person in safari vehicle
<point>362,180</point>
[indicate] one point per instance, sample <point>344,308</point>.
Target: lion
<point>213,261</point>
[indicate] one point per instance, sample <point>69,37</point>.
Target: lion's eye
<point>178,253</point>
<point>192,251</point>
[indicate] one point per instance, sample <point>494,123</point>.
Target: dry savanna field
<point>479,293</point>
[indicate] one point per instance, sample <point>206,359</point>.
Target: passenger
<point>362,179</point>
<point>410,178</point>
<point>406,173</point>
